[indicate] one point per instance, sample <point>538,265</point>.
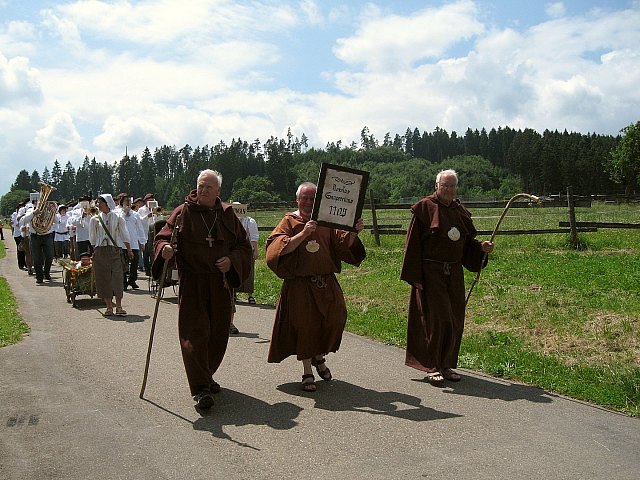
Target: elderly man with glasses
<point>440,242</point>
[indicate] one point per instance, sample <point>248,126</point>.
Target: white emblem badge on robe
<point>454,234</point>
<point>312,246</point>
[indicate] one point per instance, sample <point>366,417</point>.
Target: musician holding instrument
<point>80,217</point>
<point>40,219</point>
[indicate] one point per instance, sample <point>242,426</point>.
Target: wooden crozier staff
<point>531,198</point>
<point>172,242</point>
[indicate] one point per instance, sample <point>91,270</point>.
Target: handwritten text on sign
<point>340,194</point>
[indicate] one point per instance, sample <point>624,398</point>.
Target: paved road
<point>69,408</point>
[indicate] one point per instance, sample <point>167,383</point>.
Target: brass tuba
<point>45,212</point>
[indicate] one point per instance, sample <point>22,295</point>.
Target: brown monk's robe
<point>204,299</point>
<point>311,312</point>
<point>433,264</point>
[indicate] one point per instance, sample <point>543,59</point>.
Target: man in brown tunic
<point>213,256</point>
<point>440,241</point>
<point>311,312</point>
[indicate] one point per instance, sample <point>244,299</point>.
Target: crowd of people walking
<point>213,248</point>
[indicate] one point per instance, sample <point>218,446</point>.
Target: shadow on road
<point>479,387</point>
<point>237,409</point>
<point>338,396</point>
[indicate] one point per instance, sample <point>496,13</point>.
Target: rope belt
<point>446,266</point>
<point>318,281</point>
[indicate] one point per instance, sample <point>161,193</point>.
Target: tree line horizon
<point>498,164</point>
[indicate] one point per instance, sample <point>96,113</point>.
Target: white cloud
<point>59,136</point>
<point>311,12</point>
<point>386,43</point>
<point>19,82</point>
<point>555,10</point>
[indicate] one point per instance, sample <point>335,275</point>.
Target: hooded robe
<point>440,241</point>
<point>205,295</point>
<point>311,312</point>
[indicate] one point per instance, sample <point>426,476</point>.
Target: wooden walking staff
<point>531,198</point>
<point>158,297</point>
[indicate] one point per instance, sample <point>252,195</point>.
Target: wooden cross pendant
<point>210,239</point>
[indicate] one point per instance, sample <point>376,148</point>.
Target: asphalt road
<point>70,408</point>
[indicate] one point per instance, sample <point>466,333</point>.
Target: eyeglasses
<point>447,185</point>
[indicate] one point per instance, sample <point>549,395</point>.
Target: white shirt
<point>60,227</point>
<point>117,227</point>
<point>15,225</point>
<point>81,223</point>
<point>251,227</point>
<point>134,227</point>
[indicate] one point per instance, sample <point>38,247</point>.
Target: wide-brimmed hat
<point>139,199</point>
<point>149,196</point>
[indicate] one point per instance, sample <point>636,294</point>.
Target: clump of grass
<point>12,328</point>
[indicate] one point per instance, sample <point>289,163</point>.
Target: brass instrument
<point>45,212</point>
<point>91,209</point>
<point>157,210</point>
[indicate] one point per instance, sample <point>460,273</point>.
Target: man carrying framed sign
<point>311,312</point>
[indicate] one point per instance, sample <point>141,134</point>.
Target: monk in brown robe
<point>311,312</point>
<point>440,241</point>
<point>213,257</point>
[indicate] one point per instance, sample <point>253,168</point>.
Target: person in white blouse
<point>107,231</point>
<point>136,236</point>
<point>80,222</point>
<point>61,230</point>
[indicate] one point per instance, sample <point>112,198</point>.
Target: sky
<point>93,78</point>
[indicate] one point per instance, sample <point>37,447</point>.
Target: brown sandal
<point>450,375</point>
<point>435,378</point>
<point>323,374</point>
<point>308,385</point>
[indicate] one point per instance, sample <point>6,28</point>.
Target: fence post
<point>573,238</point>
<point>374,219</point>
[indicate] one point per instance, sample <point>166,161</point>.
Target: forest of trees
<point>497,163</point>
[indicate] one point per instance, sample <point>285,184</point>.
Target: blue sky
<point>95,77</point>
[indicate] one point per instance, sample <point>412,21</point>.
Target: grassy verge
<point>11,327</point>
<point>564,320</point>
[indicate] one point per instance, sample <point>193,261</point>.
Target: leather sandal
<point>308,382</point>
<point>435,378</point>
<point>324,374</point>
<point>451,375</point>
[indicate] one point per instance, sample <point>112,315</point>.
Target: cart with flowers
<point>77,280</point>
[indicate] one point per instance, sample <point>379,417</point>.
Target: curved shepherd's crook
<point>174,232</point>
<point>531,198</point>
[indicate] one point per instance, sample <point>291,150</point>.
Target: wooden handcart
<point>78,281</point>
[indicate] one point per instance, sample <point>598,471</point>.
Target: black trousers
<point>21,256</point>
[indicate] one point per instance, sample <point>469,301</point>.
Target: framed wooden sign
<point>340,196</point>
